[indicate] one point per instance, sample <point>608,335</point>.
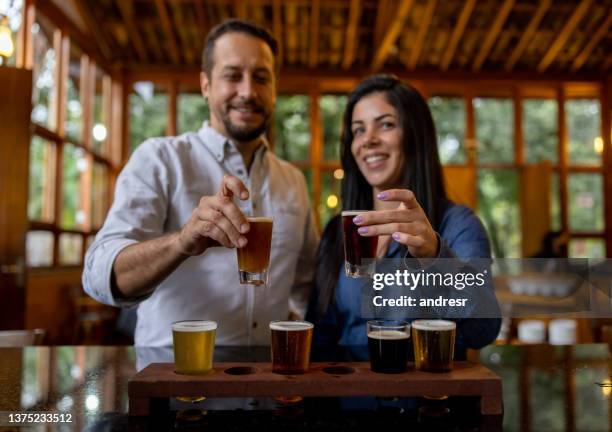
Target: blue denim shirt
<point>462,236</point>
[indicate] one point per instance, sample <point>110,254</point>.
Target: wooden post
<point>606,130</point>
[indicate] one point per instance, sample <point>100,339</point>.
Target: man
<point>180,204</point>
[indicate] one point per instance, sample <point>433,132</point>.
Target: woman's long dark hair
<point>422,174</point>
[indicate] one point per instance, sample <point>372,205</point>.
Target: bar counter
<point>544,388</point>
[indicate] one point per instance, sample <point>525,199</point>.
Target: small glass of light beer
<point>290,345</point>
<point>388,344</point>
<point>434,344</point>
<point>194,344</point>
<point>359,251</point>
<point>254,258</point>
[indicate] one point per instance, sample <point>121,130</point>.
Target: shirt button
<point>240,172</point>
<point>254,325</point>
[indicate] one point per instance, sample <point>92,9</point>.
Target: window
<point>101,112</point>
<point>74,109</point>
<point>42,163</point>
<point>585,196</point>
<point>12,9</point>
<point>192,111</point>
<point>291,134</point>
<point>584,131</point>
<point>44,88</point>
<point>148,113</point>
<point>74,165</point>
<point>494,130</point>
<point>540,130</point>
<point>332,110</point>
<point>329,202</point>
<point>449,118</point>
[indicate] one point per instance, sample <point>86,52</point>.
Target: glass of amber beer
<point>194,343</point>
<point>359,251</point>
<point>388,345</point>
<point>434,345</point>
<point>254,258</point>
<point>290,345</point>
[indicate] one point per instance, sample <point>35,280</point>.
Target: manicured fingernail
<point>382,195</point>
<point>242,242</point>
<point>363,230</point>
<point>244,194</point>
<point>396,236</point>
<point>244,228</point>
<point>357,220</point>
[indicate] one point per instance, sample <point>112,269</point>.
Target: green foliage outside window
<point>583,127</point>
<point>585,201</point>
<point>148,114</point>
<point>292,127</point>
<point>332,110</point>
<point>540,130</point>
<point>329,203</point>
<point>192,111</point>
<point>494,130</point>
<point>39,150</point>
<point>449,118</point>
<point>73,164</point>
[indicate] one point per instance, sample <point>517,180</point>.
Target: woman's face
<point>377,141</point>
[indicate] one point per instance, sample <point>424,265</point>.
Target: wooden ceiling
<point>568,36</point>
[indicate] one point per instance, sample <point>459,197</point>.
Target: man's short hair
<point>233,26</point>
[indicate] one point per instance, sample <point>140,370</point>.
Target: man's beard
<point>247,133</point>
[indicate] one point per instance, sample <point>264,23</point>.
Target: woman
<point>391,165</point>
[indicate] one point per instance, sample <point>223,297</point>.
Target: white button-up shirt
<point>156,193</point>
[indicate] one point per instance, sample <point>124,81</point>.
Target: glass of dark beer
<point>254,258</point>
<point>359,251</point>
<point>434,344</point>
<point>290,344</point>
<point>388,344</point>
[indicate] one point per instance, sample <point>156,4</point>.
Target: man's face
<point>241,90</point>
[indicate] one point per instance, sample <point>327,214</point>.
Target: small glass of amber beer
<point>359,251</point>
<point>194,344</point>
<point>254,258</point>
<point>290,345</point>
<point>434,345</point>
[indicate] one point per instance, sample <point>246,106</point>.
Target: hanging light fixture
<point>6,38</point>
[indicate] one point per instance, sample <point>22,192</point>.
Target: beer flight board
<point>159,381</point>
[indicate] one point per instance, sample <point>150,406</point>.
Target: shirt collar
<point>219,144</point>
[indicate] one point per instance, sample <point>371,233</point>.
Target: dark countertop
<point>545,388</point>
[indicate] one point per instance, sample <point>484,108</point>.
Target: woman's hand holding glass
<point>407,224</point>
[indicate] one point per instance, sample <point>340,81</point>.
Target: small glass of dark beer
<point>290,344</point>
<point>388,344</point>
<point>254,258</point>
<point>434,344</point>
<point>359,251</point>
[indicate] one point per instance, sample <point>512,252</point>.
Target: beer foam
<point>194,326</point>
<point>290,325</point>
<point>353,212</point>
<point>388,334</point>
<point>433,325</point>
<point>260,219</point>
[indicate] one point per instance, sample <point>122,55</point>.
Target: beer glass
<point>434,345</point>
<point>359,251</point>
<point>254,258</point>
<point>290,345</point>
<point>388,344</point>
<point>194,343</point>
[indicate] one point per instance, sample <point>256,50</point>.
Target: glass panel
<point>585,200</point>
<point>547,396</point>
<point>148,113</point>
<point>584,131</point>
<point>593,405</point>
<point>555,203</point>
<point>587,248</point>
<point>332,110</point>
<point>74,110</point>
<point>308,176</point>
<point>192,111</point>
<point>498,207</point>
<point>292,127</point>
<point>39,248</point>
<point>70,249</point>
<point>99,195</point>
<point>12,10</point>
<point>42,162</point>
<point>44,85</point>
<point>494,129</point>
<point>449,117</point>
<point>99,130</point>
<point>540,130</point>
<point>329,203</point>
<point>74,164</point>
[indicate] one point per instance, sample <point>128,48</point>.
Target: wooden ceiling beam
<point>528,34</point>
<point>590,46</point>
<point>419,43</point>
<point>462,21</point>
<point>99,35</point>
<point>167,28</point>
<point>381,20</point>
<point>240,9</point>
<point>126,9</point>
<point>391,35</point>
<point>277,28</point>
<point>492,34</point>
<point>178,22</point>
<point>564,34</point>
<point>201,20</point>
<point>351,34</point>
<point>314,34</point>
